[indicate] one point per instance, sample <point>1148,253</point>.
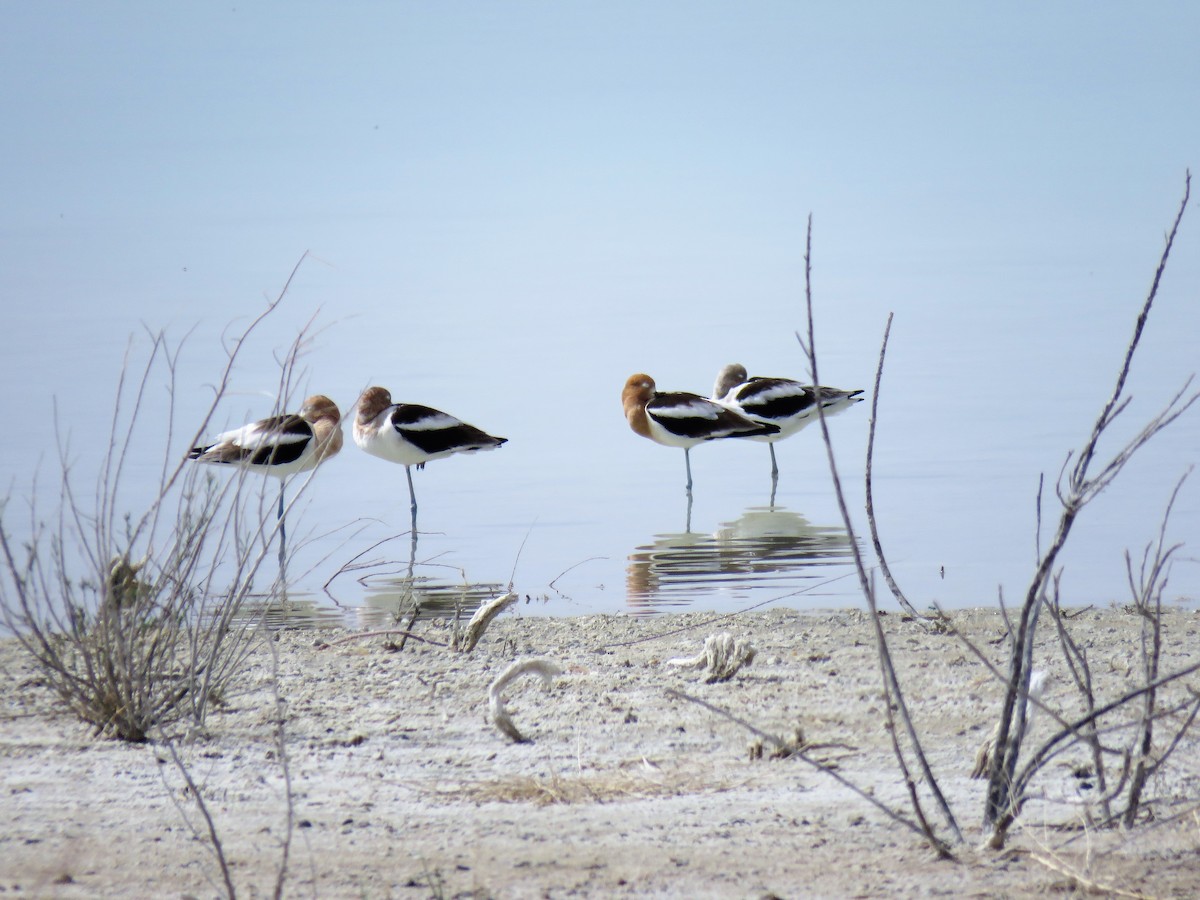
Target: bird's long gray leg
<point>282,530</point>
<point>687,461</point>
<point>412,495</point>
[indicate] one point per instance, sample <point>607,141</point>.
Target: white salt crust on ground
<point>402,787</point>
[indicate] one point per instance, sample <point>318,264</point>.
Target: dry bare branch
<point>871,524</point>
<point>137,619</point>
<point>792,751</point>
<point>1077,485</point>
<point>894,695</point>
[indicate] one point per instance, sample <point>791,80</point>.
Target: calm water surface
<point>507,213</point>
<point>580,515</point>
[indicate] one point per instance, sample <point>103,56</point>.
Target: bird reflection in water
<point>766,548</point>
<point>422,598</point>
<point>276,610</point>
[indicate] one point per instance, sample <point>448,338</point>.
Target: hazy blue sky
<point>538,198</point>
<point>552,146</point>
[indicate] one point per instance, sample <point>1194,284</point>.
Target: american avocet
<point>413,435</point>
<point>678,419</point>
<point>281,445</point>
<point>782,402</point>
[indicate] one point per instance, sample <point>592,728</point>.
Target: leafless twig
<point>1077,485</point>
<point>799,753</point>
<point>214,837</point>
<point>137,619</point>
<point>883,566</point>
<point>891,683</point>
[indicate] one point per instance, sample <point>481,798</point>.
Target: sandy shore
<point>404,788</point>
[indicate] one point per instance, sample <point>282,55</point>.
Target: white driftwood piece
<point>499,715</point>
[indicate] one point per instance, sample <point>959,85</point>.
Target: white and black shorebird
<point>280,445</point>
<point>413,435</point>
<point>782,402</point>
<point>679,419</point>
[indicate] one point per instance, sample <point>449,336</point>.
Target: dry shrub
<point>136,621</point>
<point>1140,708</point>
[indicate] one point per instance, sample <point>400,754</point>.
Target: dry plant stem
<point>148,630</point>
<point>214,838</point>
<point>353,564</point>
<point>841,779</point>
<point>232,353</point>
<point>387,632</point>
<point>1078,881</point>
<point>1162,713</point>
<point>991,667</point>
<point>1037,525</point>
<point>910,783</point>
<point>1179,733</point>
<point>321,563</point>
<point>569,568</point>
<point>1081,674</point>
<point>281,751</point>
<point>407,631</point>
<point>1020,725</point>
<point>1049,748</point>
<point>1002,798</point>
<point>883,566</point>
<point>1147,600</point>
<point>891,682</point>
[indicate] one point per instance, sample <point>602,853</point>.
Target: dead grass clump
<point>642,779</point>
